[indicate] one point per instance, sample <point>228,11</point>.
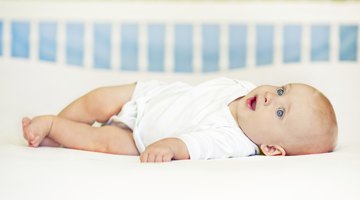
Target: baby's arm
<point>165,150</point>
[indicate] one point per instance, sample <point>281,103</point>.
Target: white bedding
<point>56,173</point>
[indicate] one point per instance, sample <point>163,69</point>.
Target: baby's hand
<point>164,151</point>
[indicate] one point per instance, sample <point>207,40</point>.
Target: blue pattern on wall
<point>75,44</point>
<point>156,47</point>
<point>129,47</point>
<point>264,44</point>
<point>292,43</point>
<point>20,33</point>
<point>237,46</point>
<point>348,40</point>
<point>183,48</point>
<point>320,42</point>
<point>47,41</point>
<point>210,47</point>
<point>102,46</point>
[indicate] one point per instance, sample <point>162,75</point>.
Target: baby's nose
<point>269,97</point>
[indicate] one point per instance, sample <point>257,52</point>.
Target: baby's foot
<point>48,142</point>
<point>36,129</point>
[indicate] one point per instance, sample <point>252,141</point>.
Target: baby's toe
<point>26,121</point>
<point>36,141</point>
<point>29,135</point>
<point>26,125</point>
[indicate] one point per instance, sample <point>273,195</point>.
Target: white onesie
<point>198,115</point>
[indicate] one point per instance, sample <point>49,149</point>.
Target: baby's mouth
<point>251,103</point>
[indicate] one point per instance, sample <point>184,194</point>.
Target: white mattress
<point>56,173</point>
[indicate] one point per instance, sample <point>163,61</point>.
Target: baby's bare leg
<point>98,105</point>
<point>76,135</point>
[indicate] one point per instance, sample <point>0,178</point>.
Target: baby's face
<point>268,114</point>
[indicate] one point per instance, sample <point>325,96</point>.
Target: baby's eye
<point>280,91</point>
<point>280,112</point>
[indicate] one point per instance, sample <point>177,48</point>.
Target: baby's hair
<point>327,114</point>
<point>321,137</point>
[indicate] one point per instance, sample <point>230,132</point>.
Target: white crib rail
<point>196,14</point>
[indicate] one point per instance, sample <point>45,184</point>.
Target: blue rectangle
<point>264,44</point>
<point>1,38</point>
<point>348,43</point>
<point>183,48</point>
<point>102,46</point>
<point>292,43</point>
<point>75,44</point>
<point>47,41</point>
<point>20,44</point>
<point>129,47</point>
<point>156,47</point>
<point>320,42</point>
<point>210,47</point>
<point>237,46</point>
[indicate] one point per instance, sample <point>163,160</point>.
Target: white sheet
<point>55,173</point>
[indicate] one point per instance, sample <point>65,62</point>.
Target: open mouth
<point>251,103</point>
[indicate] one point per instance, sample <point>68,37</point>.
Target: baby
<point>220,118</point>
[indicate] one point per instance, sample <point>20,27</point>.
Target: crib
<point>53,52</point>
<point>161,38</point>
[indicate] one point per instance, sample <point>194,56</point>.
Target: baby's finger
<point>150,158</point>
<point>159,158</point>
<point>167,158</point>
<point>144,157</point>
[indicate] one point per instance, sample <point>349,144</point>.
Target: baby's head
<point>295,119</point>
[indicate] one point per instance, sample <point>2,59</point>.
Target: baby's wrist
<point>179,148</point>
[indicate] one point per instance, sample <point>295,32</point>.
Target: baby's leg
<point>98,105</point>
<point>75,135</point>
<point>30,137</point>
<point>36,130</point>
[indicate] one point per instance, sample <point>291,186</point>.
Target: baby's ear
<point>272,150</point>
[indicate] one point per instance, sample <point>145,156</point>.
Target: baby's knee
<point>95,103</point>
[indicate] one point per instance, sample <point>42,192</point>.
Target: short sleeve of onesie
<point>218,143</point>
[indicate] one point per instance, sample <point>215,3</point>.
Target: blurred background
<point>51,52</point>
<point>179,36</point>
